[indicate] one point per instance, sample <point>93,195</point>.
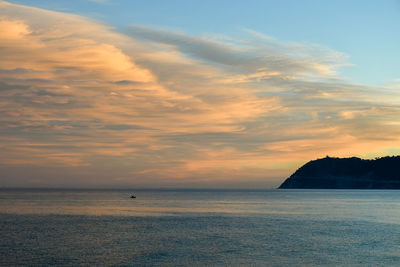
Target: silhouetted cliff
<point>347,173</point>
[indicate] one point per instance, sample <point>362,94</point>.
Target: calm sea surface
<point>199,227</point>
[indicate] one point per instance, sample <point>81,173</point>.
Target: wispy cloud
<point>151,106</point>
<point>248,57</point>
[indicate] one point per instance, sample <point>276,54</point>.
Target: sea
<point>81,227</point>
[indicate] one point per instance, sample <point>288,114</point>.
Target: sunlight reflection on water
<point>200,228</point>
<point>377,205</point>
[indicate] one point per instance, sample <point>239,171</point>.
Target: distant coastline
<point>346,173</point>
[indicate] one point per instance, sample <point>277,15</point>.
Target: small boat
<point>133,196</point>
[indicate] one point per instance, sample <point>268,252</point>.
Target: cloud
<point>154,107</point>
<point>264,54</point>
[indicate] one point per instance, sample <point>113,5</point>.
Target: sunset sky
<point>193,94</point>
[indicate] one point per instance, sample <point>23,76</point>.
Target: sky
<point>193,94</point>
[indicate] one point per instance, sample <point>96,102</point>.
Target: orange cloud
<point>156,107</point>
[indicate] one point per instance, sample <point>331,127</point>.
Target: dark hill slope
<point>347,173</point>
